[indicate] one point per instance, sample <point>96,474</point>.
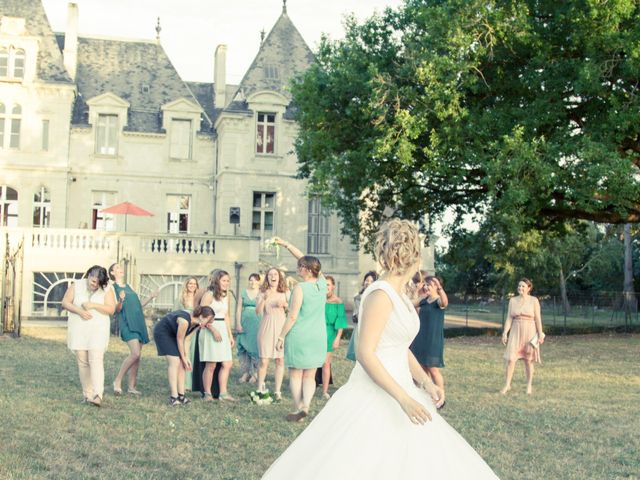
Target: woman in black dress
<point>169,334</point>
<point>428,346</point>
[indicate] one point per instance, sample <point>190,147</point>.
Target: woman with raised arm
<point>133,328</point>
<point>216,340</point>
<point>388,406</point>
<point>428,346</point>
<point>522,334</point>
<point>169,334</point>
<point>272,302</point>
<point>304,335</point>
<point>247,325</point>
<point>89,302</point>
<point>368,279</point>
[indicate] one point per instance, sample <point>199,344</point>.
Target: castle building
<point>89,122</point>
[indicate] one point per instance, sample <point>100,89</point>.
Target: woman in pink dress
<point>270,304</point>
<point>522,324</point>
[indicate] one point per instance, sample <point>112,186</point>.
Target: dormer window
<point>266,133</point>
<point>12,61</point>
<point>107,135</point>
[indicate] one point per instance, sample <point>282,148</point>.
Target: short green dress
<point>248,340</point>
<point>335,319</point>
<point>306,343</point>
<point>131,317</point>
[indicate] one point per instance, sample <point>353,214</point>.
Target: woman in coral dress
<point>522,325</point>
<point>394,423</point>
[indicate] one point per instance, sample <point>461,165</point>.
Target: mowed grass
<point>582,421</point>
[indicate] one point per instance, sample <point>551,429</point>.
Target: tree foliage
<point>522,111</point>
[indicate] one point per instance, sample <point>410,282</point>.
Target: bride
<point>380,414</point>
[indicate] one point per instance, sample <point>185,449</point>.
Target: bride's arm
<point>375,314</point>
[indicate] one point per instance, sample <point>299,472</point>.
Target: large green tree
<point>525,112</point>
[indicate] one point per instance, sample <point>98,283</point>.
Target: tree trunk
<point>563,292</point>
<point>630,302</point>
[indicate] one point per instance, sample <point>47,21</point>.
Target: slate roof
<point>204,93</point>
<point>50,67</point>
<point>282,55</point>
<point>137,71</point>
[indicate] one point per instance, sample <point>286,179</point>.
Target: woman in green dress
<point>247,323</point>
<point>336,320</point>
<point>304,335</point>
<point>133,329</point>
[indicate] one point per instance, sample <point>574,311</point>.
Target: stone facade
<point>101,121</point>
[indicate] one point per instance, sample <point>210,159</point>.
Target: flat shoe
<point>296,417</point>
<point>133,391</point>
<point>226,398</point>
<point>96,401</point>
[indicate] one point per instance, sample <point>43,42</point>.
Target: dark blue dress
<point>428,346</point>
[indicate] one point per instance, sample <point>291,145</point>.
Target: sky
<point>191,29</point>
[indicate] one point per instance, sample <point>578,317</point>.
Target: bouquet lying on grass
<point>261,398</point>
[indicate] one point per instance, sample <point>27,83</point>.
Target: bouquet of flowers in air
<point>272,244</point>
<point>261,398</point>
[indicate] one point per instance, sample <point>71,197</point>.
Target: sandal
<point>277,397</point>
<point>173,401</point>
<point>117,391</point>
<point>133,391</point>
<point>207,397</point>
<point>183,400</point>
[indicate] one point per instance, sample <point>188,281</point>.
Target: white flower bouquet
<point>272,244</point>
<point>261,398</point>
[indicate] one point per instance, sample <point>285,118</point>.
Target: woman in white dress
<point>89,302</point>
<point>215,340</point>
<point>393,422</point>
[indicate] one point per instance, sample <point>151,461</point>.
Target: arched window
<point>42,208</point>
<point>8,206</point>
<point>18,63</point>
<point>14,136</point>
<point>4,62</point>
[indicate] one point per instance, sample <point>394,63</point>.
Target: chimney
<point>219,77</point>
<point>70,53</point>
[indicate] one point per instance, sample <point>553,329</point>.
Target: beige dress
<point>90,334</point>
<point>523,329</point>
<point>270,327</point>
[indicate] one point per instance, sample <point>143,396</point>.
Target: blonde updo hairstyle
<point>398,246</point>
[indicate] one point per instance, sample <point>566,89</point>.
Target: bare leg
<point>223,377</point>
<point>511,365</point>
<point>180,379</point>
<point>308,388</point>
<point>279,374</point>
<point>207,376</point>
<point>134,357</point>
<point>295,384</point>
<point>436,376</point>
<point>262,373</point>
<point>528,368</point>
<point>173,365</point>
<point>326,373</point>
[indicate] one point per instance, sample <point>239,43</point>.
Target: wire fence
<point>581,311</point>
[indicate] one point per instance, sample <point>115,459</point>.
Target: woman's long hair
<point>214,284</point>
<point>282,283</point>
<point>185,290</point>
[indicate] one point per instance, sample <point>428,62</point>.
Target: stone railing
<point>181,245</point>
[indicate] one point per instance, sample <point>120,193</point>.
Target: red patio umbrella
<point>127,208</point>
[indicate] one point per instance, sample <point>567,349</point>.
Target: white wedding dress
<point>363,433</point>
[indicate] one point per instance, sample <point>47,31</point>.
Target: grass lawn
<point>582,421</point>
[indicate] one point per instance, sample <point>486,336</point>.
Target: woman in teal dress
<point>247,323</point>
<point>428,345</point>
<point>369,278</point>
<point>133,329</point>
<point>336,321</point>
<point>304,335</point>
